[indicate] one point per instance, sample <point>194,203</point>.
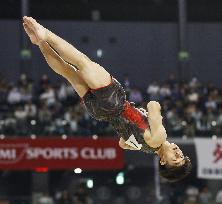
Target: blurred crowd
<point>42,108</point>
<point>189,108</point>
<point>45,108</point>
<point>187,195</point>
<point>195,195</point>
<point>80,196</point>
<point>182,193</point>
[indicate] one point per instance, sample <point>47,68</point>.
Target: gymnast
<point>105,100</point>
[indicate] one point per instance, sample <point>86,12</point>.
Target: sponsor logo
<point>217,153</point>
<point>132,142</point>
<point>14,153</point>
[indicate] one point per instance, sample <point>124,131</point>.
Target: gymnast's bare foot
<point>36,32</point>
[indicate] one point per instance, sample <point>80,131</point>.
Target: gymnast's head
<point>174,166</point>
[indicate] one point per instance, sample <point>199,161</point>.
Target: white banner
<point>209,158</point>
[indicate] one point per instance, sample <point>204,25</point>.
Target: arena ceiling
<point>114,10</point>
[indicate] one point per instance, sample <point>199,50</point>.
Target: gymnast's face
<point>171,155</point>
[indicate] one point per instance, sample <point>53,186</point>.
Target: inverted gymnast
<point>105,100</point>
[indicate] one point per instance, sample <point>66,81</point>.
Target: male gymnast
<point>105,100</point>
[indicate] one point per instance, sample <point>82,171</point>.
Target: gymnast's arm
<point>157,134</point>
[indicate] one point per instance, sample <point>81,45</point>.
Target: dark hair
<point>174,173</point>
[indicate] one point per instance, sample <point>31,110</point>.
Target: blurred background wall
<point>126,47</point>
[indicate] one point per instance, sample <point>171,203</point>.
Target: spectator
<point>14,96</point>
<point>45,119</point>
<point>206,196</point>
<point>45,199</point>
<point>219,197</point>
<point>20,113</point>
<point>196,113</point>
<point>193,83</point>
<point>3,90</point>
<point>65,198</point>
<point>30,109</point>
<point>189,122</point>
<point>25,87</point>
<point>211,119</point>
<point>192,194</point>
<point>21,118</point>
<point>172,81</point>
<point>81,196</point>
<point>126,82</point>
<point>23,81</point>
<point>174,122</point>
<point>165,91</point>
<point>44,82</point>
<point>219,121</point>
<point>136,96</point>
<point>48,96</point>
<point>26,95</point>
<point>9,125</point>
<point>62,92</point>
<point>153,91</point>
<point>210,103</point>
<point>193,96</point>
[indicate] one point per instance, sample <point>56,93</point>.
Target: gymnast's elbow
<point>158,137</point>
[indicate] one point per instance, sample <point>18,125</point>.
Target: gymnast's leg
<point>92,73</point>
<point>58,64</point>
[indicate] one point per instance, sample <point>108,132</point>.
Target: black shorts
<point>106,102</point>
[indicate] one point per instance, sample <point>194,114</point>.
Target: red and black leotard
<point>109,104</point>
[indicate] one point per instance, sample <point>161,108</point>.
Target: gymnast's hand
<point>36,32</point>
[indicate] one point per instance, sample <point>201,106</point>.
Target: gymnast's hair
<point>174,173</point>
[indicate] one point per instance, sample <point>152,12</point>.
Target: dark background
<point>146,51</point>
<point>115,10</point>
